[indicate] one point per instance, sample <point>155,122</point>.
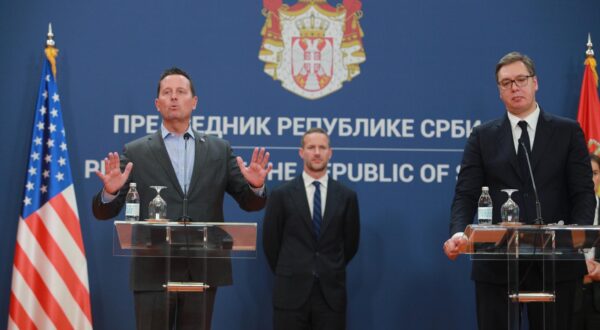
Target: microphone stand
<point>538,221</point>
<point>184,217</point>
<point>538,206</point>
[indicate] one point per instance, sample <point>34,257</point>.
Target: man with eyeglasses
<point>495,157</point>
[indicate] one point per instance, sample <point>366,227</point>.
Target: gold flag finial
<point>51,51</point>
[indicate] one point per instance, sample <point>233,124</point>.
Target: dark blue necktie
<point>317,219</point>
<point>524,139</point>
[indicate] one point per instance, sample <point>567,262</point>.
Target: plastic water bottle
<point>484,207</point>
<point>132,204</point>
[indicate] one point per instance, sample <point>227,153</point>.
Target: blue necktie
<point>317,219</point>
<point>521,153</point>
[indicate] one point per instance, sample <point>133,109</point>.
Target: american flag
<point>49,279</point>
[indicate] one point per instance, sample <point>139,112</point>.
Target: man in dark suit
<point>587,297</point>
<point>190,164</point>
<point>494,157</point>
<point>310,234</point>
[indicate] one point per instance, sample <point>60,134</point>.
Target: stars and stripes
<point>50,281</point>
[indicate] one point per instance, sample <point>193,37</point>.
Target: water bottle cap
<point>132,184</point>
<point>485,188</point>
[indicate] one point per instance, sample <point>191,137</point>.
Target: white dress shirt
<point>531,120</point>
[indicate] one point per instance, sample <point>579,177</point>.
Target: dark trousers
<point>587,313</point>
<point>314,314</point>
<point>157,310</point>
<point>493,308</point>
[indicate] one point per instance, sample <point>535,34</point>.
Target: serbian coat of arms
<point>311,46</point>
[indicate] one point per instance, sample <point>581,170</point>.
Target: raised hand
<point>256,172</point>
<point>114,179</point>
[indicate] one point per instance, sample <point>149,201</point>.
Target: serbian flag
<point>49,277</point>
<point>589,105</point>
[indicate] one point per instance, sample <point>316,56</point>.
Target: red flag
<point>49,280</point>
<point>589,104</point>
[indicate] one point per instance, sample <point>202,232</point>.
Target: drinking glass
<point>510,210</point>
<point>157,210</point>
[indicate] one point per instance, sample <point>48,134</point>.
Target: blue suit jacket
<point>297,257</point>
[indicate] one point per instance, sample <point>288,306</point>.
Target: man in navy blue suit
<point>310,234</point>
<point>494,157</point>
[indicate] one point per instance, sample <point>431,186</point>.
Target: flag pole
<point>50,287</point>
<point>589,58</point>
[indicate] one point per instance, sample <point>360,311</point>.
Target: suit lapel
<point>543,136</point>
<point>200,159</point>
<point>301,202</point>
<point>332,201</point>
<point>159,151</point>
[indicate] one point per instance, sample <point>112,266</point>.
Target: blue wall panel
<point>426,60</point>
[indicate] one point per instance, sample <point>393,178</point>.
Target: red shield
<point>312,62</point>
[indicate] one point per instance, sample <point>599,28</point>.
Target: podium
<point>544,245</point>
<point>188,250</point>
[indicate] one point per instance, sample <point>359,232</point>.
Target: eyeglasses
<point>520,81</point>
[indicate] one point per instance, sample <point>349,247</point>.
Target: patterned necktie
<point>317,219</point>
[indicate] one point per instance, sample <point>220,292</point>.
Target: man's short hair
<point>314,130</point>
<point>595,158</point>
<point>175,71</point>
<point>513,57</point>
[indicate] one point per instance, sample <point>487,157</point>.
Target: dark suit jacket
<point>562,172</point>
<point>297,257</point>
<point>596,284</point>
<point>215,172</point>
<point>595,290</point>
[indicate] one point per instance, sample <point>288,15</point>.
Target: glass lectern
<point>546,246</point>
<point>188,251</point>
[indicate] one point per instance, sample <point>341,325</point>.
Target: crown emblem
<point>312,27</point>
<point>594,147</point>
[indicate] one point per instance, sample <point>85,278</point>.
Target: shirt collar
<point>531,120</point>
<point>165,133</point>
<point>308,180</point>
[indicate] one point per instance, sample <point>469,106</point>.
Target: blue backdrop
<point>429,65</point>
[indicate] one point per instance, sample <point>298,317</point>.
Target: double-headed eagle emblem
<point>311,46</point>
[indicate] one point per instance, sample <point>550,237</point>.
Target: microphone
<point>538,206</point>
<point>184,217</point>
